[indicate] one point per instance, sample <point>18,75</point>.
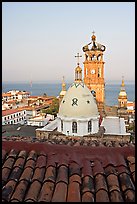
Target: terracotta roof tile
<point>100,182</point>
<point>129,196</point>
<point>46,192</point>
<point>13,153</point>
<point>5,175</point>
<point>102,196</point>
<point>50,174</point>
<point>113,183</point>
<point>30,163</point>
<point>126,182</point>
<point>9,162</point>
<point>27,174</point>
<point>33,191</point>
<point>115,196</point>
<point>133,176</point>
<point>21,188</point>
<point>131,159</point>
<point>4,153</point>
<point>41,161</point>
<point>110,169</point>
<point>88,197</point>
<point>74,168</point>
<point>74,192</point>
<point>15,173</point>
<point>75,178</point>
<point>39,172</point>
<point>88,184</point>
<point>19,162</point>
<point>62,175</point>
<point>60,192</point>
<point>22,154</point>
<point>8,190</point>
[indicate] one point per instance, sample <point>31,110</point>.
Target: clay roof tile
<point>5,174</point>
<point>116,196</point>
<point>4,153</point>
<point>9,163</point>
<point>62,175</point>
<point>88,184</point>
<point>50,174</point>
<point>39,174</point>
<point>100,182</point>
<point>27,174</point>
<point>60,192</point>
<point>15,173</point>
<point>113,183</point>
<point>46,192</point>
<point>74,192</point>
<point>41,161</point>
<point>33,191</point>
<point>102,196</point>
<point>88,197</point>
<point>126,182</point>
<point>20,191</point>
<point>129,196</point>
<point>8,190</point>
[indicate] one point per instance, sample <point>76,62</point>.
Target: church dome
<point>78,102</point>
<point>122,93</point>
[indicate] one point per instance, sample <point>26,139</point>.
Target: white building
<point>13,116</point>
<point>78,113</point>
<point>114,126</point>
<point>38,121</point>
<point>15,95</point>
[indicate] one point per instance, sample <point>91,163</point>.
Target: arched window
<point>61,125</point>
<point>89,126</point>
<point>74,127</point>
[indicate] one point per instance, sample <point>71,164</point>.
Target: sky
<point>41,39</point>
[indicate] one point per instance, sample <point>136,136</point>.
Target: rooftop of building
<point>41,172</point>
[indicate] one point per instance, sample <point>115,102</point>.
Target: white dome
<point>78,102</point>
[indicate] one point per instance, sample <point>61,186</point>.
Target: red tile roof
<point>60,173</point>
<point>10,111</point>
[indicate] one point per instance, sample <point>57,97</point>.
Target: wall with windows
<point>78,127</point>
<point>14,118</point>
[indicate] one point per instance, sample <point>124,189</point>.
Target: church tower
<point>122,98</point>
<point>94,71</point>
<point>63,91</point>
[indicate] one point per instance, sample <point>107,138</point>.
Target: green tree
<point>53,108</point>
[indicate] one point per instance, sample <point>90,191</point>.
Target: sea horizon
<point>112,89</point>
<point>66,81</point>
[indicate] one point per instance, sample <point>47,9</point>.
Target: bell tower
<point>122,98</point>
<point>94,71</point>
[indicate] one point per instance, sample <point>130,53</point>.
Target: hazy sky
<point>40,39</point>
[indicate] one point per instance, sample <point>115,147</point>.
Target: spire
<point>123,84</point>
<point>78,70</point>
<point>93,36</point>
<point>122,90</point>
<point>63,85</point>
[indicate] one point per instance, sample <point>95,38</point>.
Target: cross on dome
<point>78,56</point>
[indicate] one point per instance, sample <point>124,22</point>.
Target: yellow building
<point>94,71</point>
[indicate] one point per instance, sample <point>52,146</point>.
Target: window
<point>61,125</point>
<point>89,126</point>
<point>74,127</point>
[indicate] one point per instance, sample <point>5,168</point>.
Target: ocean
<point>38,89</point>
